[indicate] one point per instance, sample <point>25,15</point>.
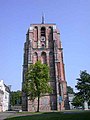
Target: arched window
<point>43,37</point>
<point>50,37</point>
<point>35,57</point>
<point>43,31</point>
<point>36,33</point>
<point>50,30</point>
<point>43,58</point>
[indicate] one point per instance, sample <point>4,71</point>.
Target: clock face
<point>42,38</point>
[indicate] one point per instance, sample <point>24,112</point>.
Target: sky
<point>72,17</point>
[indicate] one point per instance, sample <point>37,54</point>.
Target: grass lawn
<point>77,115</point>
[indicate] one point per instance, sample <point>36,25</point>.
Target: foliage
<point>83,87</point>
<point>16,98</point>
<point>36,83</point>
<point>77,101</point>
<point>70,90</point>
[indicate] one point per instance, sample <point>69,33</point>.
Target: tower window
<point>43,31</point>
<point>43,58</point>
<point>43,45</point>
<point>35,57</point>
<point>36,34</point>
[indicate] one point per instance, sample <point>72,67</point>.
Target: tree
<point>16,98</point>
<point>83,86</point>
<point>77,101</point>
<point>36,83</point>
<point>70,90</point>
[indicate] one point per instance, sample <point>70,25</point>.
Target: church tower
<point>43,43</point>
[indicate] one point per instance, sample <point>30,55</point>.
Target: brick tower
<point>43,43</point>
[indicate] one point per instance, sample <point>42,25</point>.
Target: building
<point>4,97</point>
<point>43,43</point>
<point>1,100</point>
<point>70,98</point>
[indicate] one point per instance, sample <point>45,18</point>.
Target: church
<point>43,43</point>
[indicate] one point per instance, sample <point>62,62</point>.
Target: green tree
<point>36,83</point>
<point>83,86</point>
<point>16,98</point>
<point>77,101</point>
<point>70,90</point>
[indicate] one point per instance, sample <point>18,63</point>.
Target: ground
<point>65,115</point>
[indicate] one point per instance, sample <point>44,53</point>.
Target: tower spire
<point>42,18</point>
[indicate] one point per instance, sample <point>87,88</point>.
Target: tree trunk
<point>38,103</point>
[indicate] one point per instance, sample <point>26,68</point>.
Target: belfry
<point>43,43</point>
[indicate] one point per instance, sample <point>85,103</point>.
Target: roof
<point>7,88</point>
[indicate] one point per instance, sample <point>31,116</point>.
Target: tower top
<point>42,18</point>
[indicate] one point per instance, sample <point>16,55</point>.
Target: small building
<point>4,97</point>
<point>70,98</point>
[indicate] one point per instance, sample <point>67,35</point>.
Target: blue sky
<point>73,20</point>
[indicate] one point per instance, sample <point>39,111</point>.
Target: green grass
<point>84,115</point>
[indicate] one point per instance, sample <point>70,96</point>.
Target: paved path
<point>4,115</point>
